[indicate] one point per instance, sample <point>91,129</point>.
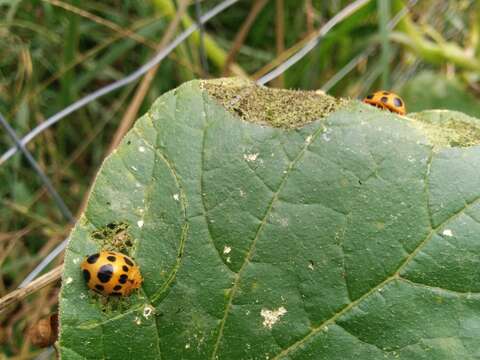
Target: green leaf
<point>311,229</point>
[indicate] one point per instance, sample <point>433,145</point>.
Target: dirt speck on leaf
<point>447,232</point>
<point>148,310</point>
<point>250,157</point>
<point>271,317</point>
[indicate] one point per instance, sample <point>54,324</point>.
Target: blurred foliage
<point>429,90</point>
<point>54,52</point>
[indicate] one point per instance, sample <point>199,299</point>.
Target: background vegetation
<point>53,52</point>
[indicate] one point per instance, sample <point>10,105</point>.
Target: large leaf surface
<point>356,236</point>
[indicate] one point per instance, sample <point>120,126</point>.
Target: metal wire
<point>310,45</point>
<point>347,68</point>
<point>46,181</point>
<point>366,53</point>
<point>119,83</point>
<point>45,354</point>
<point>44,263</point>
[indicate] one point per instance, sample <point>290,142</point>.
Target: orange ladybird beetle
<point>387,101</point>
<point>111,273</point>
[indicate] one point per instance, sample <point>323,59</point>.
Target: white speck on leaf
<point>137,320</point>
<point>447,232</point>
<point>310,266</point>
<point>326,135</point>
<point>242,193</point>
<point>76,260</point>
<point>250,157</point>
<point>141,148</point>
<point>68,280</point>
<point>229,260</point>
<point>187,346</point>
<point>148,310</point>
<point>176,197</point>
<point>140,223</point>
<point>308,140</point>
<point>270,317</point>
<point>227,249</point>
<point>134,168</point>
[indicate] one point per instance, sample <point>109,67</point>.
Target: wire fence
<point>20,144</point>
<point>162,54</point>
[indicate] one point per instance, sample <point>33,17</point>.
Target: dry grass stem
<point>37,284</point>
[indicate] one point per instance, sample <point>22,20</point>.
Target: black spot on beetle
<point>99,287</point>
<point>128,261</point>
<point>125,268</point>
<point>92,259</point>
<point>105,273</point>
<point>369,97</point>
<point>117,287</point>
<point>86,275</point>
<point>123,279</point>
<point>384,99</point>
<point>111,258</point>
<point>397,101</point>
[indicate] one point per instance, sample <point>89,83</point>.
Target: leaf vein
<point>394,276</point>
<point>250,252</point>
<point>468,294</point>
